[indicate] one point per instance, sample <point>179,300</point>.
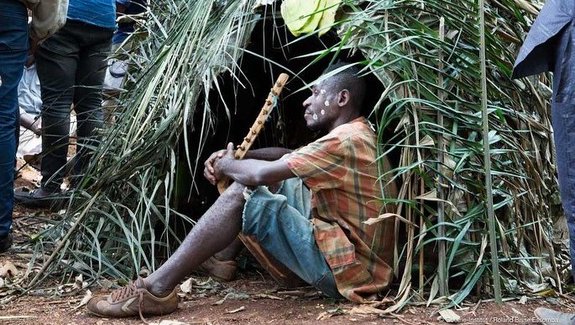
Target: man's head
<point>336,98</point>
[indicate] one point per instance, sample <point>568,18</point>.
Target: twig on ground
<point>474,308</point>
<point>62,301</point>
<point>266,296</point>
<point>568,297</point>
<point>401,318</point>
<point>237,310</point>
<point>16,317</point>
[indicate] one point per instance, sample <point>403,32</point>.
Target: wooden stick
<point>258,125</point>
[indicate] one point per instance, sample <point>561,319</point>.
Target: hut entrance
<point>236,103</point>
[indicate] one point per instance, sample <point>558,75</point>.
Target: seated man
<point>314,223</point>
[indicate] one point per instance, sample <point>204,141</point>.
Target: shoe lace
<point>128,291</point>
<point>124,292</point>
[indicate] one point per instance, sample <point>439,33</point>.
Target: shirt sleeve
<point>320,164</point>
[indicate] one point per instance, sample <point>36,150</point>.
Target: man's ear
<point>343,97</point>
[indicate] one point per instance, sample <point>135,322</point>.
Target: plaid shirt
<point>341,172</point>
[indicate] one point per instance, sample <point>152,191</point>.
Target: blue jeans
<point>13,52</point>
<point>71,67</point>
<point>281,223</point>
<point>563,119</point>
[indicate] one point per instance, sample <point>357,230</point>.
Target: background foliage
<point>426,56</point>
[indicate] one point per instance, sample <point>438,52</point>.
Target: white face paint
<point>322,112</point>
<point>314,117</point>
<point>326,103</point>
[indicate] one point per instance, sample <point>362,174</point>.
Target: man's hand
<point>210,164</point>
<point>221,164</point>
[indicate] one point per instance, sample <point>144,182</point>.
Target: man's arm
<point>267,154</point>
<point>270,154</point>
<point>30,123</point>
<point>251,172</point>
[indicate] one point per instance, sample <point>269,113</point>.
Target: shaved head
<point>348,78</point>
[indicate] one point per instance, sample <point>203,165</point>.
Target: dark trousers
<point>563,118</point>
<point>71,66</point>
<point>13,51</point>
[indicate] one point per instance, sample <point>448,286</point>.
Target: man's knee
<point>234,192</point>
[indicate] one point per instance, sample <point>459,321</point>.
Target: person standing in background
<point>47,17</point>
<point>123,46</point>
<point>549,46</point>
<point>30,103</point>
<point>71,67</point>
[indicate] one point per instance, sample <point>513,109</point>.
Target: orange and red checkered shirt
<point>341,172</point>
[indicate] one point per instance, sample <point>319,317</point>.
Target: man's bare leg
<point>215,230</point>
<point>229,253</point>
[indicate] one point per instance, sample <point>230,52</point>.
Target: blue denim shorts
<point>281,223</point>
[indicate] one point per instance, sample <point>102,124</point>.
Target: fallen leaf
<point>365,310</point>
<point>219,302</point>
<point>324,315</point>
<point>85,300</point>
<point>523,300</point>
<point>8,270</point>
<point>547,293</point>
<point>186,287</point>
<point>79,281</point>
<point>144,272</point>
<point>66,288</point>
<point>449,316</point>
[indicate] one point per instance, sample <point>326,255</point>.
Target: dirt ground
<point>251,299</point>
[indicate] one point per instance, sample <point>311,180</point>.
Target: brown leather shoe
<point>220,270</point>
<point>131,300</point>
